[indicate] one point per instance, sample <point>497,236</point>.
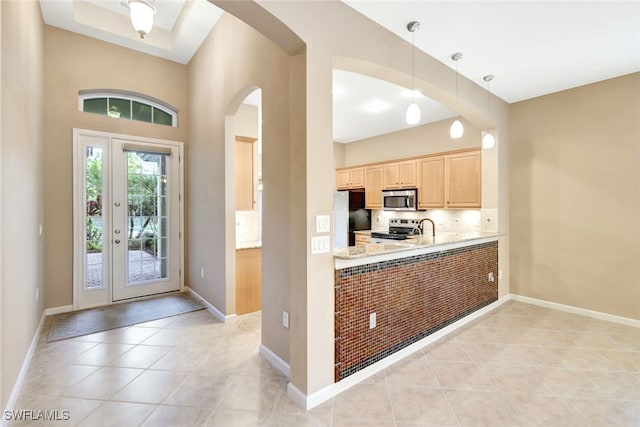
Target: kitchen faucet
<point>433,226</point>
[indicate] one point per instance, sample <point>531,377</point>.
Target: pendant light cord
<point>413,65</point>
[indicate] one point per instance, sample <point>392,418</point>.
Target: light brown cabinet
<point>373,187</point>
<point>400,175</point>
<point>350,178</point>
<point>431,182</point>
<point>463,180</point>
<point>362,239</point>
<point>245,176</point>
<point>248,280</point>
<point>445,180</point>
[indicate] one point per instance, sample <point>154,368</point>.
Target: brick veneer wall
<point>412,298</point>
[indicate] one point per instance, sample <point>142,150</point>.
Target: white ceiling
<point>532,48</point>
<point>364,107</point>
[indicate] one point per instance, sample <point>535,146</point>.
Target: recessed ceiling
<point>364,106</point>
<point>180,26</point>
<point>533,48</point>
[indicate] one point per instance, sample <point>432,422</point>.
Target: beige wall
<point>92,64</point>
<point>221,74</point>
<point>575,199</point>
<point>339,154</point>
<point>21,258</point>
<point>415,141</point>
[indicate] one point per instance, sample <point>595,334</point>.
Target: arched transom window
<point>127,105</point>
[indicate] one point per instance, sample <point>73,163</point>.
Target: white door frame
<point>85,299</point>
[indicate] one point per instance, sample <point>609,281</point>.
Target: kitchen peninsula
<point>390,295</point>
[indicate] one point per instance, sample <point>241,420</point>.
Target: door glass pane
<point>94,243</point>
<point>147,232</point>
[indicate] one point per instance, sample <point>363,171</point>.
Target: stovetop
<point>399,229</point>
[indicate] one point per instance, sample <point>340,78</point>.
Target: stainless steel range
<point>399,229</point>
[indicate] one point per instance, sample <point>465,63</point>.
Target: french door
<point>127,218</point>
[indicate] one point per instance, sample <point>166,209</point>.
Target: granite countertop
<point>365,232</point>
<point>443,238</point>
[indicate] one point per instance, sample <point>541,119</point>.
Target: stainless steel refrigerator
<point>349,215</point>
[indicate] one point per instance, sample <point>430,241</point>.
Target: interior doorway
<point>127,218</point>
<point>248,205</point>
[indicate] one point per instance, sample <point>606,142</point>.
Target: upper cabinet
<point>246,182</point>
<point>400,175</point>
<point>431,182</point>
<point>350,178</point>
<point>463,180</point>
<point>373,187</point>
<point>444,180</point>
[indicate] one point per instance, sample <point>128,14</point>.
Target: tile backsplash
<point>446,220</point>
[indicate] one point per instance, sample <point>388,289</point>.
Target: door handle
<point>117,241</point>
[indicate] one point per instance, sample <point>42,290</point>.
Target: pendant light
<point>457,129</point>
<point>413,112</point>
<point>142,12</point>
<point>487,140</point>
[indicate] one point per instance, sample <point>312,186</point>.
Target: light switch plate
<point>323,224</point>
<point>319,245</point>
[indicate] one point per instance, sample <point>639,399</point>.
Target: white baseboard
<point>275,360</point>
<point>577,310</point>
<point>13,397</point>
<point>217,313</point>
<point>314,399</point>
<point>58,310</point>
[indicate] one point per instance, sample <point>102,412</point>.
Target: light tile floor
<point>518,365</point>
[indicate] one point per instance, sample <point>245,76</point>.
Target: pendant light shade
<point>413,111</point>
<point>142,12</point>
<point>413,114</point>
<point>457,129</point>
<point>488,141</point>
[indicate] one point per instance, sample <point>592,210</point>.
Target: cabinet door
<point>248,280</point>
<point>356,178</point>
<point>342,179</point>
<point>373,187</point>
<point>431,182</point>
<point>463,180</point>
<point>391,176</point>
<point>407,174</point>
<point>245,199</point>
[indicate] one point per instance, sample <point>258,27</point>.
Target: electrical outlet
<point>500,274</point>
<point>202,272</point>
<point>490,277</point>
<point>285,319</point>
<point>372,320</point>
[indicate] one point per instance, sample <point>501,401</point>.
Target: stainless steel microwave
<point>400,200</point>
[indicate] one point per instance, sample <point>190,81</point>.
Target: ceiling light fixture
<point>142,12</point>
<point>457,130</point>
<point>413,112</point>
<point>487,140</point>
